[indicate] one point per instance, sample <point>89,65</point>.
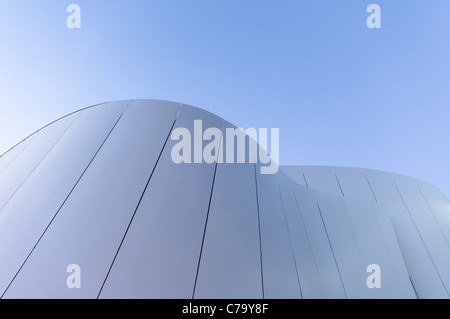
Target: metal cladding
<point>98,189</point>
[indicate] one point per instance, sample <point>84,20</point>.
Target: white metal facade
<point>98,188</point>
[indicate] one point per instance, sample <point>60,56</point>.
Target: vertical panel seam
<point>306,181</point>
<point>139,203</point>
<point>64,202</point>
<point>370,186</point>
<point>207,213</point>
<point>259,232</point>
<point>290,241</point>
<point>414,287</point>
<point>306,233</point>
<point>432,214</point>
<point>332,250</point>
<point>339,183</point>
<point>39,163</point>
<point>421,238</point>
<point>61,118</point>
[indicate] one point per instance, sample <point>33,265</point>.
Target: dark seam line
<point>138,204</point>
<point>259,232</point>
<point>340,187</point>
<point>40,161</point>
<point>207,213</point>
<point>70,193</point>
<point>332,251</point>
<point>63,117</point>
<point>414,287</point>
<point>78,111</point>
<point>370,186</point>
<point>421,238</point>
<point>290,241</point>
<point>434,218</point>
<point>304,177</point>
<point>307,236</point>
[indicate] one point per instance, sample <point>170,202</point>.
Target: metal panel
<point>320,245</point>
<point>159,256</point>
<point>398,267</point>
<point>102,193</point>
<point>19,170</point>
<point>418,262</point>
<point>30,210</point>
<point>279,267</point>
<point>310,281</point>
<point>354,183</point>
<point>435,242</point>
<point>343,243</point>
<point>439,206</point>
<point>8,158</point>
<point>295,173</point>
<point>99,208</point>
<point>352,226</point>
<point>230,265</point>
<point>371,249</point>
<point>322,178</point>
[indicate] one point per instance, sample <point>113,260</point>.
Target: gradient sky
<point>341,93</point>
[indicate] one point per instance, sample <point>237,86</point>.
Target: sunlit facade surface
<point>98,189</point>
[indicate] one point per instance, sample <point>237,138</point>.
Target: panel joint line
<point>64,202</point>
<point>207,214</point>
<point>259,232</point>
<point>137,207</point>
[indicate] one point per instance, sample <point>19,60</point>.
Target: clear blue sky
<point>341,94</point>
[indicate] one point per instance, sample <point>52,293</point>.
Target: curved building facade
<point>98,189</point>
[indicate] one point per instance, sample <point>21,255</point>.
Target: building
<point>98,189</point>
